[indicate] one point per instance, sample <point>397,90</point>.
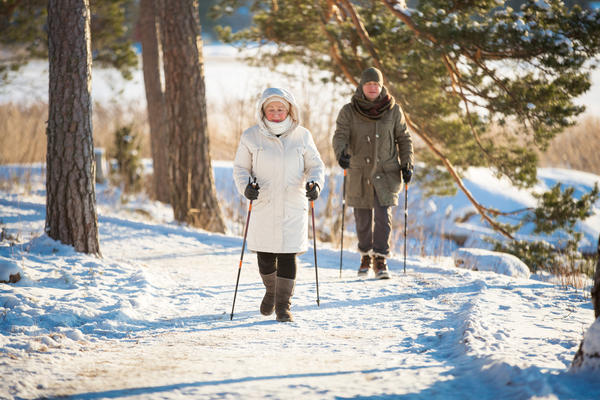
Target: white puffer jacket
<point>282,166</point>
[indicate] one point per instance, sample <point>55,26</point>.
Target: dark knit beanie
<point>371,75</point>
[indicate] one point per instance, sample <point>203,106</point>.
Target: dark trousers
<point>283,263</point>
<point>374,236</point>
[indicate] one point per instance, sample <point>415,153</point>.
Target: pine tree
<point>193,192</point>
<point>148,31</point>
<point>23,34</point>
<point>481,84</point>
<point>70,186</point>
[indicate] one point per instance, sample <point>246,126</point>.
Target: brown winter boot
<point>365,265</point>
<point>268,302</point>
<point>380,268</point>
<point>284,290</point>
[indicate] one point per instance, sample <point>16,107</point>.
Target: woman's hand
<point>312,190</point>
<point>251,191</point>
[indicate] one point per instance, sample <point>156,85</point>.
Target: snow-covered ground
<point>151,319</point>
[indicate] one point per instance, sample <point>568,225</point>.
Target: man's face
<point>371,90</point>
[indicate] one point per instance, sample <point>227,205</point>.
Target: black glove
<point>344,160</point>
<point>312,191</point>
<point>251,191</point>
<point>407,172</point>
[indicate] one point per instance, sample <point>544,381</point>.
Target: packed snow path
<point>163,329</point>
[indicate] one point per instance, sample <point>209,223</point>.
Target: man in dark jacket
<point>371,141</point>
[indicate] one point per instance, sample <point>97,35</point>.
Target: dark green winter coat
<point>377,148</point>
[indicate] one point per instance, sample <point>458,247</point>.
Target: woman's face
<point>275,111</point>
<point>371,90</point>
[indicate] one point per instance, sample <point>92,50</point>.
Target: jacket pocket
<point>263,200</point>
<point>256,159</point>
<point>391,169</point>
<point>300,156</point>
<point>355,187</point>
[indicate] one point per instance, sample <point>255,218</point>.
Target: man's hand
<point>344,160</point>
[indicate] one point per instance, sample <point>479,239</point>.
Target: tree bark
<point>70,187</point>
<point>580,356</point>
<point>596,287</point>
<point>193,194</point>
<point>148,32</point>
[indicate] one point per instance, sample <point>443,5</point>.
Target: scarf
<point>279,128</point>
<point>372,109</point>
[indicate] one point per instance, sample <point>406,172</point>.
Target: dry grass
<point>226,122</point>
<point>23,133</point>
<point>576,148</point>
<point>23,130</point>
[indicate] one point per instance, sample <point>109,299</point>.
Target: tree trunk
<point>596,287</point>
<point>583,360</point>
<point>70,188</point>
<point>148,33</point>
<point>193,194</point>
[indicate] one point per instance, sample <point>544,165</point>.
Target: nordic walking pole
<point>312,207</point>
<point>242,256</point>
<point>343,215</point>
<point>405,218</point>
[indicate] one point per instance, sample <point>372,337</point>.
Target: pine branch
<point>483,211</point>
<point>8,10</point>
<point>362,33</point>
<point>334,46</point>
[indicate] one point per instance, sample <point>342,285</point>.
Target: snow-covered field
<point>151,319</point>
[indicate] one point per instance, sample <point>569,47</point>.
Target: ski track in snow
<point>163,328</point>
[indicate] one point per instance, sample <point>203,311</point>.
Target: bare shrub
<point>108,119</point>
<point>226,122</point>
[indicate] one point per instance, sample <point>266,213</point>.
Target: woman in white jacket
<point>281,155</point>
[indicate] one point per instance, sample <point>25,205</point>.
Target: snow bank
<point>588,356</point>
<point>10,271</point>
<point>73,295</point>
<point>486,260</point>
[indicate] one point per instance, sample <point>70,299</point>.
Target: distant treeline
<point>242,18</point>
